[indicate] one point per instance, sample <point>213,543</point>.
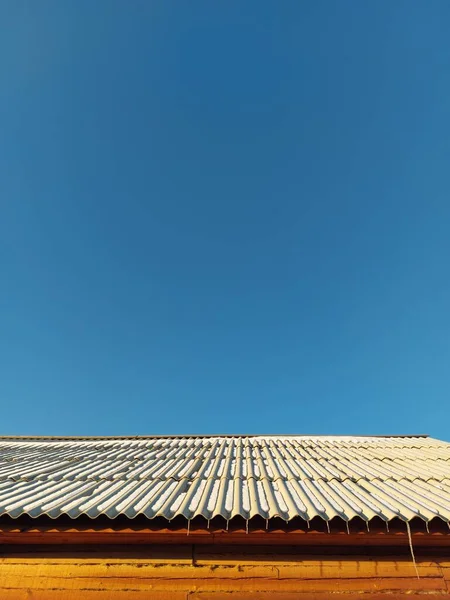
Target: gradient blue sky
<point>224,217</point>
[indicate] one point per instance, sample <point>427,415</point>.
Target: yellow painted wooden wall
<point>217,573</point>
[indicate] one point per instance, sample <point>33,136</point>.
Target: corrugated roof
<point>269,476</point>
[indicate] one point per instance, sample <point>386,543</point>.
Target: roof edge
<point>203,435</point>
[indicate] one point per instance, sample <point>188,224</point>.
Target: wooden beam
<point>126,536</point>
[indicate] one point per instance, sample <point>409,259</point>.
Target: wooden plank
<point>42,535</point>
<point>181,551</point>
<point>278,595</point>
<point>304,552</point>
<point>31,594</point>
<point>223,551</point>
<point>92,560</point>
<point>293,552</point>
<point>148,555</point>
<point>327,569</point>
<point>6,594</point>
<point>274,595</point>
<point>148,572</point>
<point>246,584</point>
<point>212,555</point>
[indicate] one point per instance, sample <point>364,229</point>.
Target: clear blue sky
<point>225,217</point>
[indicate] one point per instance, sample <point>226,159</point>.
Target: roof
<point>227,476</point>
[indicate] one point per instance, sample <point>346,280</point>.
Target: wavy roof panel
<point>268,476</point>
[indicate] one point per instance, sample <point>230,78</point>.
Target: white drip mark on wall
<point>411,549</point>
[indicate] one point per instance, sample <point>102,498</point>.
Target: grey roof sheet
<point>269,476</point>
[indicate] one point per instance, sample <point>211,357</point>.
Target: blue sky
<point>224,217</point>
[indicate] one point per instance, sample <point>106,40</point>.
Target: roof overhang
<point>45,531</point>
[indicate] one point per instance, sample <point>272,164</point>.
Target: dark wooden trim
<point>48,535</point>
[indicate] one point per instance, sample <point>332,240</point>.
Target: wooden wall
<point>202,572</point>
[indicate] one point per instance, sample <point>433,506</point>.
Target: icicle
<point>207,524</point>
<point>348,527</point>
<point>426,525</point>
<point>307,522</point>
<point>246,525</point>
<point>367,525</point>
<point>267,524</point>
<point>188,527</point>
<point>387,526</point>
<point>411,549</point>
<point>328,526</point>
<point>228,522</point>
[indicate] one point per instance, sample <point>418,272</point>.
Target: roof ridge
<point>203,435</point>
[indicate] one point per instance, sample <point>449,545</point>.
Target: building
<point>221,517</point>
